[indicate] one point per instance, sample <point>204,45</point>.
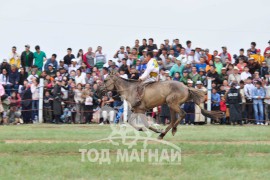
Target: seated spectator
<point>62,65</point>
<point>201,65</point>
<point>51,62</point>
<point>51,71</point>
<point>5,65</point>
<point>235,77</point>
<point>263,70</point>
<point>133,73</point>
<point>178,67</point>
<point>241,65</point>
<point>253,66</point>
<point>73,66</point>
<point>4,80</point>
<point>32,76</point>
<point>79,78</point>
<point>218,64</point>
<point>245,74</point>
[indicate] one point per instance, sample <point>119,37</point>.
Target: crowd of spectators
<point>72,83</point>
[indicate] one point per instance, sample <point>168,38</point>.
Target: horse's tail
<point>198,97</point>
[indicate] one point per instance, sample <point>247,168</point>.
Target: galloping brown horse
<point>172,93</point>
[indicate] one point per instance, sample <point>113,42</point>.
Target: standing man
<point>89,58</point>
<point>39,57</point>
<point>258,94</point>
<point>27,58</point>
<point>225,55</point>
<point>248,89</point>
<point>57,107</point>
<point>14,58</point>
<point>234,101</point>
<point>150,74</point>
<point>68,57</point>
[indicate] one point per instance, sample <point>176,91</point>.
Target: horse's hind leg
<point>173,119</point>
<point>182,115</point>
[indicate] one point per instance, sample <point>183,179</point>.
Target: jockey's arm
<point>145,74</point>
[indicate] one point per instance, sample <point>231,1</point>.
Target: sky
<point>56,25</point>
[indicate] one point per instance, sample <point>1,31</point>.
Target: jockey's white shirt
<point>151,67</point>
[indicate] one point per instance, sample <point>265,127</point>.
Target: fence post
<point>209,91</point>
<point>125,114</point>
<point>40,103</point>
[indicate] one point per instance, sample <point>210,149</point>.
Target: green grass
<point>208,152</point>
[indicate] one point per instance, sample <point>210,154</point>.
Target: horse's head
<point>109,82</point>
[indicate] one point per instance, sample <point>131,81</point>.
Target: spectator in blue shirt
<point>201,65</point>
<point>215,99</point>
<point>258,94</point>
<point>52,61</point>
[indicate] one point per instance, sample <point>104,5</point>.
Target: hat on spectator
<point>222,95</point>
<point>190,82</point>
<point>258,50</point>
<point>155,50</point>
<point>223,68</point>
<point>269,41</point>
<point>251,58</point>
<point>62,103</point>
<point>145,50</point>
<point>198,82</point>
<point>235,68</point>
<point>224,47</point>
<point>167,72</point>
<point>61,60</point>
<point>132,67</point>
<point>73,60</point>
<point>268,52</point>
<point>113,64</point>
<point>166,39</point>
<point>122,47</point>
<point>27,45</point>
<point>88,71</point>
<point>4,60</point>
<point>207,50</point>
<point>188,62</point>
<point>241,49</point>
<point>218,57</point>
<point>197,47</point>
<point>185,71</point>
<point>50,64</point>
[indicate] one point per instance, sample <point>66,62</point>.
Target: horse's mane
<point>129,80</point>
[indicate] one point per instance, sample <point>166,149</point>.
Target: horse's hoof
<point>160,137</point>
<point>174,130</point>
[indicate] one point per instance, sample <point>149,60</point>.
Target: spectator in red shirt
<point>267,48</point>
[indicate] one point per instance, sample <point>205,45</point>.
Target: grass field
<point>208,152</point>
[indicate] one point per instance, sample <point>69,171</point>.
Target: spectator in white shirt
<point>197,55</point>
<point>188,48</point>
<point>79,78</point>
<point>120,54</point>
<point>183,57</point>
<point>245,74</point>
<point>73,66</point>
